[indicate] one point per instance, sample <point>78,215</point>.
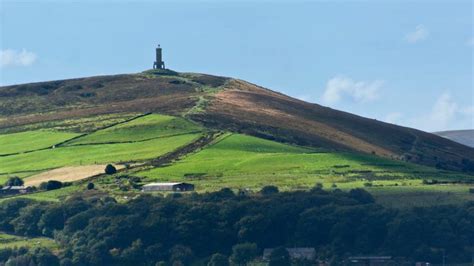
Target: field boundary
<point>61,144</point>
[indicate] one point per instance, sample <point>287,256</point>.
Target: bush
<point>90,186</point>
<point>218,260</point>
<point>269,190</point>
<point>244,253</point>
<point>110,169</point>
<point>361,195</point>
<point>14,181</point>
<point>51,185</point>
<point>279,257</point>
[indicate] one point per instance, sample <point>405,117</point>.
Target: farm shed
<point>295,253</point>
<point>167,187</point>
<point>12,190</point>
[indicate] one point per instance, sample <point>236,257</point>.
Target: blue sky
<point>405,62</point>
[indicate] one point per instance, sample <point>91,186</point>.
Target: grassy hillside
<point>31,140</point>
<point>13,241</point>
<point>142,128</point>
<point>216,132</point>
<point>240,161</point>
<point>225,104</point>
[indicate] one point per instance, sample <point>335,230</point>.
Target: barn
<point>178,187</point>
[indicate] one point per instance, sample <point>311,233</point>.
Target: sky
<point>403,62</point>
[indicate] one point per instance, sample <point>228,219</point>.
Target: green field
<point>143,128</point>
<point>244,162</point>
<point>248,162</point>
<point>233,160</point>
<point>13,241</point>
<point>31,140</point>
<point>92,154</point>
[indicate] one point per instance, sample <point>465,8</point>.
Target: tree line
<point>224,227</point>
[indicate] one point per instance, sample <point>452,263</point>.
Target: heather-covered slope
<point>226,104</point>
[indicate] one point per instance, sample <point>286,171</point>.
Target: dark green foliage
<point>90,186</point>
<point>182,231</point>
<point>279,257</point>
<point>110,169</point>
<point>218,259</point>
<point>244,253</point>
<point>51,185</point>
<point>268,190</point>
<point>14,181</point>
<point>361,195</point>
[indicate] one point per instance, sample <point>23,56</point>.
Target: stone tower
<point>158,64</point>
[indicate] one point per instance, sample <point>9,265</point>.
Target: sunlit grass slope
<point>92,154</point>
<point>143,128</point>
<point>244,161</point>
<point>31,140</point>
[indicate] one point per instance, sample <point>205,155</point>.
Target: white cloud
<point>10,57</point>
<point>393,118</point>
<point>420,34</point>
<point>445,114</point>
<point>339,88</point>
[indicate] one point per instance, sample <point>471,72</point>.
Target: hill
<point>465,137</point>
<point>220,103</point>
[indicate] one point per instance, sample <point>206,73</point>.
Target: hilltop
<point>226,104</point>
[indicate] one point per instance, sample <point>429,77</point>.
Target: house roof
<point>13,188</point>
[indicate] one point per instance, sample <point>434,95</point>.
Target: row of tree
<point>222,226</point>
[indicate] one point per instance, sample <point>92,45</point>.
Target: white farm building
<point>168,187</point>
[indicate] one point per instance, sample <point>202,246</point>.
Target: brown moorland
<point>228,104</point>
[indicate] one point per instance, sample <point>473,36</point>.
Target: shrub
<point>243,253</point>
<point>51,185</point>
<point>269,190</point>
<point>14,181</point>
<point>218,260</point>
<point>90,186</point>
<point>361,195</point>
<point>279,257</point>
<point>110,169</point>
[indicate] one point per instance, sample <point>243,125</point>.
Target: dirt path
<point>187,149</point>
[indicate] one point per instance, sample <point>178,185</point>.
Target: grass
<point>31,140</point>
<point>76,125</point>
<point>244,162</point>
<point>92,154</point>
<point>143,128</point>
<point>13,241</point>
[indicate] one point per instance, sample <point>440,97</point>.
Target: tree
<point>269,190</point>
<point>243,253</point>
<point>361,195</point>
<point>279,257</point>
<point>51,185</point>
<point>181,254</point>
<point>90,186</point>
<point>218,260</point>
<point>110,169</point>
<point>14,181</point>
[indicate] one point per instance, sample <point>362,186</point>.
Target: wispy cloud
<point>339,88</point>
<point>393,118</point>
<point>10,57</point>
<point>445,114</point>
<point>419,34</point>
